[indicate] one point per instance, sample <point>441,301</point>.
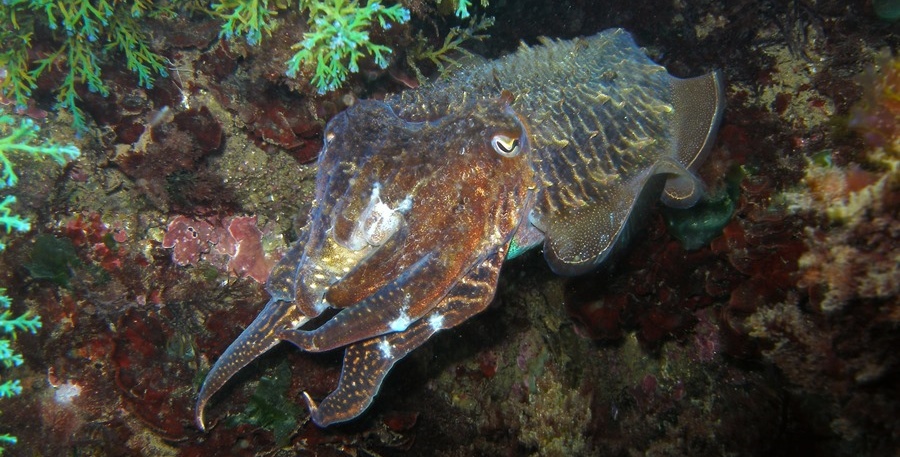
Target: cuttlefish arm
<point>368,362</point>
<point>260,335</point>
<point>405,291</point>
<point>392,308</point>
<point>255,340</point>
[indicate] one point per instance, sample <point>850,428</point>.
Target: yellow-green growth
<point>445,58</point>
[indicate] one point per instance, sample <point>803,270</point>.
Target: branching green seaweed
<point>268,408</point>
<point>247,18</point>
<point>338,38</point>
<point>83,32</point>
<point>461,7</point>
<point>446,57</point>
<point>18,137</point>
<point>9,325</point>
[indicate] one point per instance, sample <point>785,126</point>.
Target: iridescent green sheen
<point>888,10</point>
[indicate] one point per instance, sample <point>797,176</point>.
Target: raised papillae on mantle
<point>421,198</point>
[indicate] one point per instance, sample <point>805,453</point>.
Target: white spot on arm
<point>385,348</point>
<point>436,321</point>
<point>320,306</point>
<point>401,322</point>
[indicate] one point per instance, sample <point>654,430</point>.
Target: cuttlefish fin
<point>368,362</point>
<point>256,339</point>
<point>698,104</point>
<point>580,239</point>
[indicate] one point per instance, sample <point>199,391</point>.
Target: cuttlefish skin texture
<point>420,198</point>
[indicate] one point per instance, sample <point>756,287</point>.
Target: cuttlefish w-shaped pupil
<point>505,145</point>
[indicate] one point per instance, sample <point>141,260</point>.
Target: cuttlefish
<point>420,198</point>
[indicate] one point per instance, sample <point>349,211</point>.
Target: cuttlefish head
<point>403,210</point>
<point>391,193</point>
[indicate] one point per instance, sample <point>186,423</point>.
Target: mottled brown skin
<point>420,199</point>
<point>611,131</point>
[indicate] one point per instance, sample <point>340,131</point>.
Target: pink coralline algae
<point>249,258</point>
<point>232,244</point>
<point>189,239</point>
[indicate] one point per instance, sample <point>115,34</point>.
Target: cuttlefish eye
<point>505,146</point>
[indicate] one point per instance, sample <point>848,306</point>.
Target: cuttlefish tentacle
<point>256,339</point>
<point>392,309</point>
<point>259,337</point>
<point>366,363</point>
